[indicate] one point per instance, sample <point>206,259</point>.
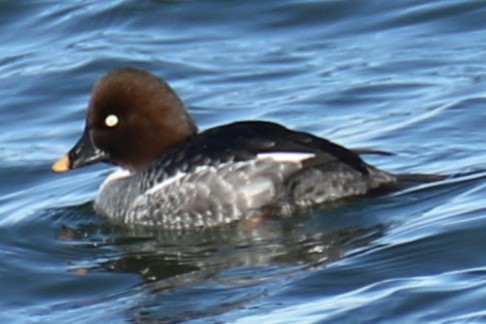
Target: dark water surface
<point>408,77</point>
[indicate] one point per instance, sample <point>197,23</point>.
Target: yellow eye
<point>111,121</point>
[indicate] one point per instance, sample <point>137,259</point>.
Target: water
<point>406,77</point>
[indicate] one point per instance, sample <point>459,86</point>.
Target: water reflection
<point>234,260</point>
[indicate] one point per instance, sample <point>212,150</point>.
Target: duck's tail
<point>413,179</point>
<point>408,180</point>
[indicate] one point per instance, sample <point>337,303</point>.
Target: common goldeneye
<point>174,177</point>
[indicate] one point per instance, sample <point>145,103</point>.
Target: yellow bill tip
<point>61,165</point>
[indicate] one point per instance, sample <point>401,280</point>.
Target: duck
<point>172,176</point>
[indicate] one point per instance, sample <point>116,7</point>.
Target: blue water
<point>407,77</point>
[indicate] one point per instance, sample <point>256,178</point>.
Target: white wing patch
<point>291,157</point>
<point>236,169</point>
<point>176,177</point>
<point>165,183</point>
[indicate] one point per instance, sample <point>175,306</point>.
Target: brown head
<point>133,116</point>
